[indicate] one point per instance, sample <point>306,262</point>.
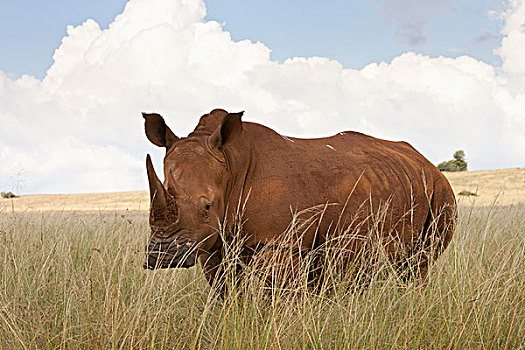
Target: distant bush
<point>467,193</point>
<point>7,195</point>
<point>457,164</point>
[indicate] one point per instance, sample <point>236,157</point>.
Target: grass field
<point>502,186</point>
<point>133,201</point>
<point>505,187</point>
<point>74,280</point>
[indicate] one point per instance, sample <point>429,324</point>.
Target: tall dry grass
<point>76,281</point>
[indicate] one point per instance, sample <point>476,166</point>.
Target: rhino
<point>226,162</point>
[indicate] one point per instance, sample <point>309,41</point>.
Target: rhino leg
<point>435,237</point>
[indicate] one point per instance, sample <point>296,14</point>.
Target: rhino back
<point>352,173</point>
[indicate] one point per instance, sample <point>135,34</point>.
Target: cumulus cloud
<point>511,49</point>
<point>411,17</point>
<point>80,129</point>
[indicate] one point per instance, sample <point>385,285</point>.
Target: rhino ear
<point>229,129</point>
<point>157,131</point>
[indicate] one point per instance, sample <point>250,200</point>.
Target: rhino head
<point>185,210</point>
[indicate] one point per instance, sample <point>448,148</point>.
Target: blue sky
<point>354,32</point>
<point>357,32</point>
<point>31,30</point>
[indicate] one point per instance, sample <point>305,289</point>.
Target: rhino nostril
<point>178,252</point>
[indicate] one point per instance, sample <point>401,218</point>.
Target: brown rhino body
<point>359,181</point>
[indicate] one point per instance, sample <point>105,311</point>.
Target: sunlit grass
<point>76,281</point>
<point>506,186</point>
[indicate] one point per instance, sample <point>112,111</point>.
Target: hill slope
<point>135,200</point>
<point>505,186</point>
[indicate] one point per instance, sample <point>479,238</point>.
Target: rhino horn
<point>163,207</point>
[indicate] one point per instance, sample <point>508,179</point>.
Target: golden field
<point>502,186</point>
<point>71,277</point>
<point>111,201</point>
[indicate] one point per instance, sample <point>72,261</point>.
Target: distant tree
<point>459,157</point>
<point>457,164</point>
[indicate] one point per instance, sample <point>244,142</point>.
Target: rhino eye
<point>205,202</point>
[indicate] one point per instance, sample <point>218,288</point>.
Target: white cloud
<point>80,128</point>
<point>512,46</point>
<point>411,17</point>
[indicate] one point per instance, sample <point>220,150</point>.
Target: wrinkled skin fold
<point>363,183</point>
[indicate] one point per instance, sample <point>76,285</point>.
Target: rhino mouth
<point>175,254</point>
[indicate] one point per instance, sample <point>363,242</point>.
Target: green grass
<point>76,281</point>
